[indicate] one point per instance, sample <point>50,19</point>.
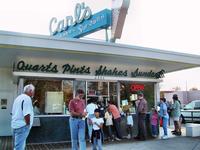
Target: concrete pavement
<point>175,143</point>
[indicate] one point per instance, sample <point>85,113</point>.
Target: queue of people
<point>23,113</point>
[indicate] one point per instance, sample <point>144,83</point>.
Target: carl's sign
<point>81,24</point>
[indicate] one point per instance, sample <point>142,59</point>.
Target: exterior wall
<point>8,90</point>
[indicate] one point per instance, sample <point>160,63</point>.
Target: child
<point>97,135</point>
<point>154,122</point>
<point>129,124</point>
<point>109,123</point>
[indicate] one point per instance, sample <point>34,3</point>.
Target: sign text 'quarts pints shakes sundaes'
<point>81,24</point>
<point>99,71</point>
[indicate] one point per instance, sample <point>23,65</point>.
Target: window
<point>52,95</point>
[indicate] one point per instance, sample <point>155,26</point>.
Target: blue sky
<point>163,24</point>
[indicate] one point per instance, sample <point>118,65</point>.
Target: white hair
<point>29,88</point>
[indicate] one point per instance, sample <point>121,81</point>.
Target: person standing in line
<point>91,106</point>
<point>22,117</point>
<point>141,112</point>
<point>154,122</point>
<point>164,115</point>
<point>116,119</point>
<point>97,134</point>
<point>129,124</point>
<point>109,123</point>
<point>77,121</point>
<point>176,112</point>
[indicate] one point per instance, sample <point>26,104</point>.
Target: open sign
<point>137,87</point>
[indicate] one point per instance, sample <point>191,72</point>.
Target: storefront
<point>57,67</point>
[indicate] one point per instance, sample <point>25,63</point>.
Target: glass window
<point>51,96</point>
<point>80,85</point>
<point>67,86</point>
<point>129,90</point>
<point>113,91</point>
<point>97,88</point>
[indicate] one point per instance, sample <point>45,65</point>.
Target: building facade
<point>58,67</point>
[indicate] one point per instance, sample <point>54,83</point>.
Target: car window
<point>189,106</point>
<point>197,105</point>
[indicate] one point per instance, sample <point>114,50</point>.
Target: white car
<point>191,111</point>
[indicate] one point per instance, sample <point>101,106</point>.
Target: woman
<point>164,115</point>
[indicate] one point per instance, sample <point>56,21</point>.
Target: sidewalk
<point>173,143</point>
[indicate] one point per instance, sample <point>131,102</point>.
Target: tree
<point>194,89</point>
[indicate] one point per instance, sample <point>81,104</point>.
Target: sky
<point>172,25</point>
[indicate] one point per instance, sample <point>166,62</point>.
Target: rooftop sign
<point>83,23</point>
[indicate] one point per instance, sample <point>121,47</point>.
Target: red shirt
<point>77,105</point>
<point>114,110</point>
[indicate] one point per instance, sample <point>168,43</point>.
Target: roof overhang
<point>14,45</point>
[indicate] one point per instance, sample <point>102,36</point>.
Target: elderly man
<point>141,111</point>
<point>22,117</point>
<point>77,121</point>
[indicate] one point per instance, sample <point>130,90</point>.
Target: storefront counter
<point>55,128</point>
<point>52,128</point>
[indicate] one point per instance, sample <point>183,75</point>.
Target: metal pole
<point>106,35</point>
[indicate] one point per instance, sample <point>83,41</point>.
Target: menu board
<point>54,102</point>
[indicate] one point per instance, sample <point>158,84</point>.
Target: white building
<point>99,68</point>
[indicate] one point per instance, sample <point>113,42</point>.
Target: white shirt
<point>90,108</point>
<point>129,120</point>
<point>18,114</point>
<point>108,118</point>
<point>98,121</point>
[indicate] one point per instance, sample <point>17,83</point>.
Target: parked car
<point>191,112</point>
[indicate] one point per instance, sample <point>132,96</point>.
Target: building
<point>57,67</point>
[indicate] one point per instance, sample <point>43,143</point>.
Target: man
<point>22,117</point>
<point>116,119</point>
<point>141,111</point>
<point>77,121</point>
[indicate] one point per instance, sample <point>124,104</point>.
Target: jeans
<point>19,137</point>
<point>116,123</point>
<point>154,129</point>
<point>165,122</point>
<point>110,134</point>
<point>97,143</point>
<point>77,129</point>
<point>90,125</point>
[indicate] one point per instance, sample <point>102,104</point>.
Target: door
<point>6,101</point>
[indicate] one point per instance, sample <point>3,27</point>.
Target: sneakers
<point>164,137</point>
<point>128,136</point>
<point>155,136</point>
<point>117,139</point>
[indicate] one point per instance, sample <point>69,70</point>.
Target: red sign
<point>137,87</point>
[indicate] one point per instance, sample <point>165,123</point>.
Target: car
<point>191,112</point>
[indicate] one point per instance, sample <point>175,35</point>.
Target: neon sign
<point>137,87</point>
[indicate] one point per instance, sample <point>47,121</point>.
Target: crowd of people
<point>94,116</point>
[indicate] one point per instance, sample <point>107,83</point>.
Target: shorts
<point>176,118</point>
